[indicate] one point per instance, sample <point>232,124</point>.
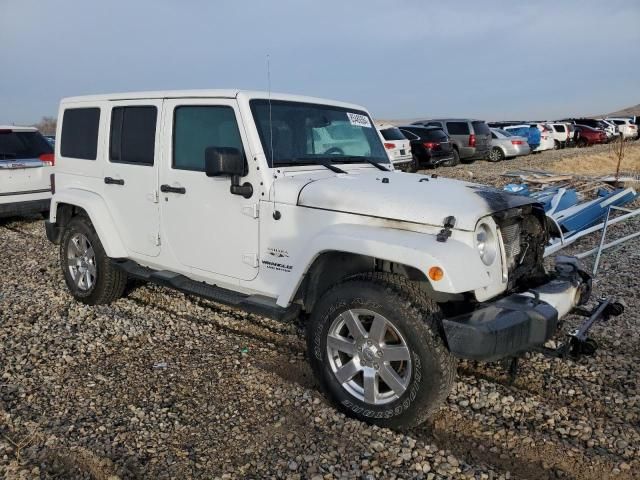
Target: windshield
<point>22,145</point>
<point>294,133</point>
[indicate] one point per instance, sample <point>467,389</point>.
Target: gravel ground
<point>163,385</point>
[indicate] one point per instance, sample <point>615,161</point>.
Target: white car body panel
<point>546,139</point>
<point>24,180</point>
<point>626,128</point>
<point>237,243</point>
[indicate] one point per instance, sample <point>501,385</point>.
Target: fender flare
<point>463,269</point>
<point>98,213</point>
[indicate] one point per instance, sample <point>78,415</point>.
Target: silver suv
<point>471,139</point>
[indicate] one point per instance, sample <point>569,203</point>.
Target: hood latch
<point>445,233</point>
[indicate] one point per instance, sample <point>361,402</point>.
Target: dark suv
<point>430,147</point>
<point>471,138</point>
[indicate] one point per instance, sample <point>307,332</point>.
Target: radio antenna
<point>276,214</point>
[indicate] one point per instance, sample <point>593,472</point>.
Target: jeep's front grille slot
<point>511,238</point>
<point>524,237</point>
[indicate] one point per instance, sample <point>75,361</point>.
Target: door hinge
<point>157,239</point>
<point>252,211</point>
<point>153,196</point>
<point>250,259</point>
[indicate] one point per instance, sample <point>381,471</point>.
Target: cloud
<point>401,59</point>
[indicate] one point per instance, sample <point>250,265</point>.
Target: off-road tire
<point>417,318</point>
<point>454,161</point>
<point>582,143</point>
<point>496,155</point>
<point>110,281</point>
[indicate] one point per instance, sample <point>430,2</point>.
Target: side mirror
<point>223,161</point>
<point>227,161</point>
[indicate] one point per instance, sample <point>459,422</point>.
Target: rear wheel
<point>88,272</point>
<point>374,344</point>
<point>581,143</point>
<point>496,155</point>
<point>454,161</point>
<point>414,166</point>
<point>556,145</point>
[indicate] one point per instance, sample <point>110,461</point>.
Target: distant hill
<point>625,112</point>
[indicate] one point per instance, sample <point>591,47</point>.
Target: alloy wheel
<point>368,356</point>
<point>81,261</point>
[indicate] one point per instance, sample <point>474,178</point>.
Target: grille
<point>512,242</point>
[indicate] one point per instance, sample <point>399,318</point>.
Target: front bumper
<point>518,322</point>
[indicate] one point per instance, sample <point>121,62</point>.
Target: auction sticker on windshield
<point>359,120</point>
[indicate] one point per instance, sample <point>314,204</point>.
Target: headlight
<point>486,243</point>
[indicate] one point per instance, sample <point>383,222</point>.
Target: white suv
<point>625,127</point>
<point>26,161</point>
<point>243,198</point>
<point>560,134</point>
<point>398,147</point>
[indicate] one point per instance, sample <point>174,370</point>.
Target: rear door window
<point>80,133</point>
<point>22,145</point>
<point>133,135</point>
<point>458,128</point>
<point>559,128</point>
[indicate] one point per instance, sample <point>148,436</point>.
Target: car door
<point>131,174</point>
<point>207,228</point>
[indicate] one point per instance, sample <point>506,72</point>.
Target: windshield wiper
<point>327,163</point>
<point>378,165</point>
<point>324,161</point>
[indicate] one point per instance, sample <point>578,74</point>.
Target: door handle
<point>113,181</point>
<point>169,189</point>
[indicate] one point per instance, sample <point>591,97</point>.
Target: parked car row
<point>449,141</point>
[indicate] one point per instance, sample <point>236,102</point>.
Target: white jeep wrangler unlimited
<point>288,207</point>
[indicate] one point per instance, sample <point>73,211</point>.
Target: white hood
<point>397,196</point>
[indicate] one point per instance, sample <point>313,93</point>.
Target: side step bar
<point>256,304</point>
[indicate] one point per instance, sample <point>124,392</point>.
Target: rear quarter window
<point>435,134</point>
<point>480,128</point>
<point>458,128</point>
<point>79,137</point>
<point>392,134</point>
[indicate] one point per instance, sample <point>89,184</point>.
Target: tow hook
<point>577,342</point>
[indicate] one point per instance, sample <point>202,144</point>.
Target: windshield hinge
<point>252,211</point>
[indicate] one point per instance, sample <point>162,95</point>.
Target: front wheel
<point>373,343</point>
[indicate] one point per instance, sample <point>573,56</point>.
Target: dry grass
<point>601,163</point>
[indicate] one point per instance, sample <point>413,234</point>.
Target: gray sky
<point>401,59</point>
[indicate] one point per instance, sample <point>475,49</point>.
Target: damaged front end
<point>518,322</point>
